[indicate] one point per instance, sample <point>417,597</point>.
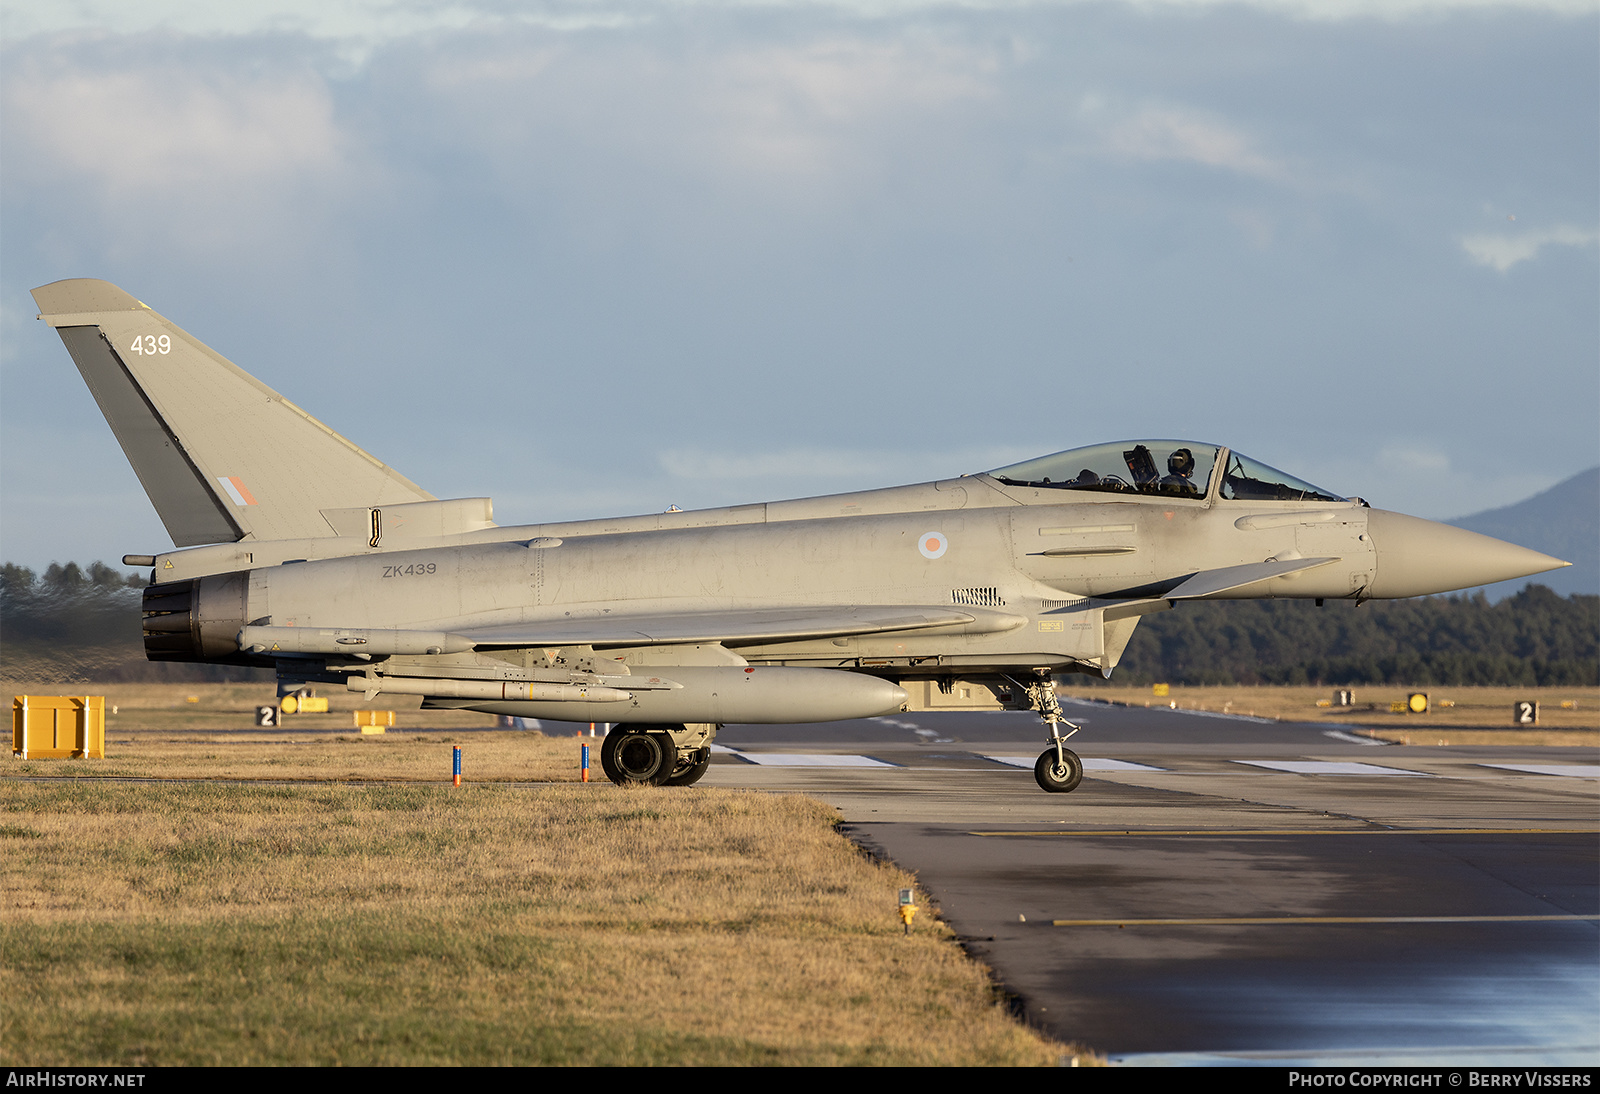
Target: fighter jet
<point>297,551</point>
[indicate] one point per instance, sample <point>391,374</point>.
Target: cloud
<point>784,108</point>
<point>1182,134</point>
<point>782,115</point>
<point>1504,251</point>
<point>199,155</point>
<point>375,22</point>
<point>1258,227</point>
<point>1387,10</point>
<point>752,233</point>
<point>139,130</point>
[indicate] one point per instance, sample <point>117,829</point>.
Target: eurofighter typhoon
<point>296,550</point>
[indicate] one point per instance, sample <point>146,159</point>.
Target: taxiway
<point>1226,889</point>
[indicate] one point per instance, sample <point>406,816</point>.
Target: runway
<point>1232,890</point>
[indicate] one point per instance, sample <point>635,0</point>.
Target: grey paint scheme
<point>806,610</point>
<point>191,512</point>
<point>222,421</point>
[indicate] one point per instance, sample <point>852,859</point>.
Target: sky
<point>594,258</point>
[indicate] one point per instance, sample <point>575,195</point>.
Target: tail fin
<point>222,456</point>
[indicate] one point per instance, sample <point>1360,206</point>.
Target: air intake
<point>978,598</point>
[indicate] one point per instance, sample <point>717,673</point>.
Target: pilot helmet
<point>1181,462</point>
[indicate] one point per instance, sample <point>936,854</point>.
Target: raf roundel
<point>932,544</point>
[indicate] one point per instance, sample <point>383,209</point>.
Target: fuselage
<point>995,547</point>
<point>1032,578</point>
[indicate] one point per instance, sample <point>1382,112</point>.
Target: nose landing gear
<point>1058,769</point>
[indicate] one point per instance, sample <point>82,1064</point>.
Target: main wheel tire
<point>608,748</point>
<point>630,757</point>
<point>698,761</point>
<point>1052,777</point>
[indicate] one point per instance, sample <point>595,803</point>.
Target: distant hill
<point>1564,521</point>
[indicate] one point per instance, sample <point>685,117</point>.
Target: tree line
<point>81,623</point>
<point>84,622</point>
<point>1532,638</point>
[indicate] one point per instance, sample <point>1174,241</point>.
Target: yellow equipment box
<point>374,721</point>
<point>58,727</point>
<point>293,704</point>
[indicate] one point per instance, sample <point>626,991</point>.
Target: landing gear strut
<point>691,765</point>
<point>1058,769</point>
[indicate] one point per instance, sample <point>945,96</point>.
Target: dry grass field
<point>489,756</point>
<point>204,897</point>
<point>215,894</point>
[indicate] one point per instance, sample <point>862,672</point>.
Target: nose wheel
<point>1058,771</point>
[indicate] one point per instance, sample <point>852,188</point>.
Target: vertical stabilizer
<point>222,456</point>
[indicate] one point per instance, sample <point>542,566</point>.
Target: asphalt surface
<point>1320,900</point>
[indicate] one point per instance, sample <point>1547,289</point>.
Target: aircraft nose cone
<point>1417,557</point>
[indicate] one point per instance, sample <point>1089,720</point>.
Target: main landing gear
<point>643,754</point>
<point>1058,769</point>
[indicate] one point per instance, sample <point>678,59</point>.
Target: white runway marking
<point>1230,716</point>
<point>1293,767</point>
<point>1351,738</point>
<point>1117,765</point>
<point>929,736</point>
<point>804,759</point>
<point>1088,764</point>
<point>1570,771</point>
<point>1329,767</point>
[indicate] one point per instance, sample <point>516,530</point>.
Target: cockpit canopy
<point>1174,469</point>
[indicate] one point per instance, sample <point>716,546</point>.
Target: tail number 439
<point>149,343</point>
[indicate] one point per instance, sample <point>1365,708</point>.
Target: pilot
<point>1179,480</point>
<point>1086,478</point>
